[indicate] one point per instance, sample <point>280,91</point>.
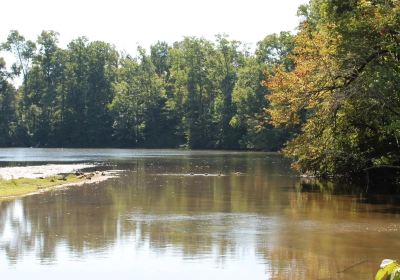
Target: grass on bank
<point>23,186</point>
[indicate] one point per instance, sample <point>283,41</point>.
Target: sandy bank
<point>38,171</point>
<point>10,189</point>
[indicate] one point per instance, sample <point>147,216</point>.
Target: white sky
<point>127,23</point>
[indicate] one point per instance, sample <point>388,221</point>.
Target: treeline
<point>332,90</point>
<point>196,93</point>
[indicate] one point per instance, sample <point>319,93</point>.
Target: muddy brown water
<point>192,215</point>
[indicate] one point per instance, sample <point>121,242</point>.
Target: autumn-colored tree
<point>344,90</point>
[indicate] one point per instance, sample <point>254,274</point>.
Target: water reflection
<point>253,217</point>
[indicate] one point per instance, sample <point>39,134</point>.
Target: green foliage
<point>138,101</point>
<point>194,93</point>
<point>249,93</point>
<point>195,96</point>
<point>7,108</point>
<point>203,77</point>
<point>275,50</point>
<point>22,49</point>
<point>332,90</point>
<point>344,90</point>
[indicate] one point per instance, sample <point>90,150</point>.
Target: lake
<point>174,214</point>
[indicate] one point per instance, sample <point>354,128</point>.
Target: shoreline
<point>42,171</point>
<point>23,187</point>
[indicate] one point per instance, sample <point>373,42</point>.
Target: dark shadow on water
<point>331,186</point>
<point>385,194</point>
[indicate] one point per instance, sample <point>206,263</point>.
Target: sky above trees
<point>127,23</point>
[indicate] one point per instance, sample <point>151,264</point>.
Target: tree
<point>159,55</point>
<point>103,62</point>
<point>75,99</point>
<point>41,89</point>
<point>343,92</point>
<point>23,51</point>
<point>195,95</point>
<point>229,59</point>
<point>8,123</point>
<point>168,122</point>
<point>249,93</point>
<point>275,49</point>
<point>138,102</point>
<point>90,71</point>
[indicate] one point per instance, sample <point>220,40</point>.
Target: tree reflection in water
<point>252,213</point>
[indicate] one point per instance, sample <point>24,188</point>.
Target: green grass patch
<point>22,186</point>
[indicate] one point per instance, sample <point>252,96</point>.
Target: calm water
<point>159,222</point>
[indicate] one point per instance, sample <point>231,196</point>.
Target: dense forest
<point>194,93</point>
<point>329,93</point>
